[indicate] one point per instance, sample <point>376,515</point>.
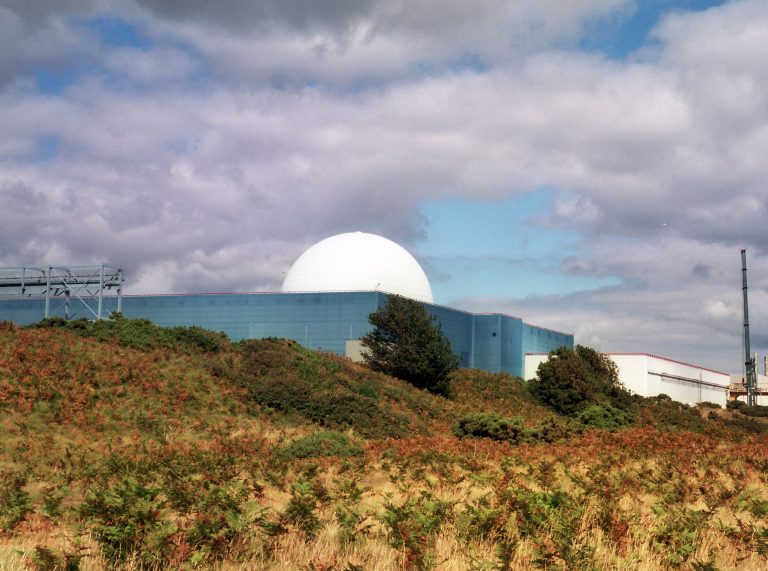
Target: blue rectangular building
<point>323,321</point>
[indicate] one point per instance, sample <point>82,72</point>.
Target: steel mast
<point>749,361</point>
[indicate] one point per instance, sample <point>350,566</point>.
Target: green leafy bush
<point>414,524</point>
<point>756,411</point>
<point>707,404</point>
<point>672,415</point>
<point>142,334</point>
<point>44,559</point>
<point>407,343</point>
<point>573,379</point>
<point>344,409</point>
<point>14,500</point>
<point>126,520</point>
<point>605,416</point>
<point>221,516</point>
<point>301,509</point>
<point>554,430</point>
<point>490,425</point>
<point>337,409</point>
<point>321,444</point>
<point>746,424</point>
<point>735,405</point>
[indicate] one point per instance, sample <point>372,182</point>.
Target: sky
<point>593,166</point>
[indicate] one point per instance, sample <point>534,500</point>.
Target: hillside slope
<point>134,446</point>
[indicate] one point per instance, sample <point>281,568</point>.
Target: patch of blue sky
<point>47,148</point>
<point>111,33</point>
<point>465,62</point>
<point>624,34</point>
<point>116,32</point>
<point>498,249</point>
<point>53,82</point>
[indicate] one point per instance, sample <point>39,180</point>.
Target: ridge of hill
<point>129,445</point>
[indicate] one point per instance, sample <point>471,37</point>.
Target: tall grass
<point>118,454</point>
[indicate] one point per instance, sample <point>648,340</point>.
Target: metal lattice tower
<point>69,288</point>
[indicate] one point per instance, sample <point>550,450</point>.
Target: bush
<point>735,405</point>
<point>142,334</point>
<point>707,404</point>
<point>126,520</point>
<point>571,380</point>
<point>338,409</point>
<point>755,411</point>
<point>320,444</point>
<point>14,500</point>
<point>747,424</point>
<point>672,415</point>
<point>221,517</point>
<point>343,409</point>
<point>554,430</point>
<point>490,425</point>
<point>406,344</point>
<point>301,509</point>
<point>605,416</point>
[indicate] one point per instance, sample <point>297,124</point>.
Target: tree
<point>572,379</point>
<point>407,344</point>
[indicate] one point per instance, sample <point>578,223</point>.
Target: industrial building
<point>324,304</point>
<point>650,375</point>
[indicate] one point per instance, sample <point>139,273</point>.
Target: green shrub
<point>142,334</point>
<point>44,559</point>
<point>14,500</point>
<point>747,424</point>
<point>320,444</point>
<point>344,409</point>
<point>756,411</point>
<point>672,415</point>
<point>554,430</point>
<point>490,425</point>
<point>220,518</point>
<point>573,379</point>
<point>735,405</point>
<point>414,524</point>
<point>301,509</point>
<point>285,395</point>
<point>707,404</point>
<point>605,416</point>
<point>126,520</point>
<point>407,342</point>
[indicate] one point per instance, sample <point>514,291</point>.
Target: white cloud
<point>657,161</point>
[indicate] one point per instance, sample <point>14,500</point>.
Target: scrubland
<point>127,446</point>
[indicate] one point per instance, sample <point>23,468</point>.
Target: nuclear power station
<point>324,304</point>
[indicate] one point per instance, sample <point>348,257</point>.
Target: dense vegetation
<point>131,446</point>
<point>407,343</point>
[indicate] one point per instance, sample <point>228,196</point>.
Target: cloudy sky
<point>594,166</point>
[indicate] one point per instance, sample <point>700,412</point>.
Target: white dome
<point>357,261</point>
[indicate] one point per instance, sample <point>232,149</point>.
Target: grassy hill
<point>127,445</point>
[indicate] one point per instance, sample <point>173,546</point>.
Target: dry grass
<point>640,499</point>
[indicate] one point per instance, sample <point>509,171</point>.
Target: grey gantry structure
<point>75,291</point>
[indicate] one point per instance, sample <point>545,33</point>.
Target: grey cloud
<point>702,271</point>
<point>222,188</point>
<point>246,16</point>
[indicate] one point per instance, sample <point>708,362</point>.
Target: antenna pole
<point>749,361</point>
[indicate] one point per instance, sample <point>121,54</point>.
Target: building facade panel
<point>323,321</point>
<point>650,375</point>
